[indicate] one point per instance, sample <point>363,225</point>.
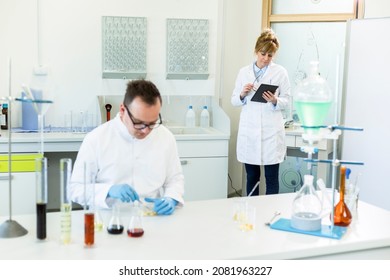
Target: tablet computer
<point>258,97</point>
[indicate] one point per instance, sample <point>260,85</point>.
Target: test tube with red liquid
<point>89,203</point>
<point>41,196</point>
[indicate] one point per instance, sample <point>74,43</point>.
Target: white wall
<point>374,150</point>
<point>71,48</point>
<point>376,8</point>
<point>242,27</point>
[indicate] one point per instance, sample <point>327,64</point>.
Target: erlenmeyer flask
<point>307,207</point>
<point>135,228</point>
<point>115,226</point>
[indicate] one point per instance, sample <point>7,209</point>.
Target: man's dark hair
<point>146,90</point>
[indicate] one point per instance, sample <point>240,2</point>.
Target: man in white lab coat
<point>132,155</point>
<point>261,134</point>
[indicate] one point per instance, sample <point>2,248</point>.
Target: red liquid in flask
<point>135,232</point>
<point>115,229</point>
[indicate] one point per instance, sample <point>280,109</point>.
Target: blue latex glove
<point>163,206</point>
<point>124,192</point>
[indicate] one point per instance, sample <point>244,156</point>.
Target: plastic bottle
<point>190,117</point>
<point>205,117</point>
<point>307,207</point>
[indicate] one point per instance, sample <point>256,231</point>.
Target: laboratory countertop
<point>71,141</point>
<point>206,230</point>
<point>294,130</point>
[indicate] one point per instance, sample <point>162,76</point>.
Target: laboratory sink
<point>197,133</point>
<point>179,130</point>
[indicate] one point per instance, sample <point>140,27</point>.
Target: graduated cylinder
<point>66,204</point>
<point>41,196</point>
<point>90,172</point>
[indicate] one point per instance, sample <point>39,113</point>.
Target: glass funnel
<point>312,100</point>
<point>41,106</point>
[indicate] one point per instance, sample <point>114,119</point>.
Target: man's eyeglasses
<point>141,125</point>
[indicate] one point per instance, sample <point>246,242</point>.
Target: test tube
<point>66,204</point>
<point>41,196</point>
<point>89,203</point>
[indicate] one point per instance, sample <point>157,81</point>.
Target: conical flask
<point>342,216</point>
<point>115,226</point>
<point>135,227</point>
<point>307,207</point>
<point>312,100</point>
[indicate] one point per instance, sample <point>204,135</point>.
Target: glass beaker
<point>312,99</point>
<point>41,196</point>
<point>307,207</point>
<point>115,225</point>
<point>99,224</point>
<point>135,228</point>
<point>66,203</point>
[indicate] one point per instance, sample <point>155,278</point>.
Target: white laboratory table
<point>205,230</point>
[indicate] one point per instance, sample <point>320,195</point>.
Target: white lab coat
<point>261,133</point>
<point>151,165</point>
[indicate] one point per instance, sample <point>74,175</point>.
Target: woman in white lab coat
<point>261,134</point>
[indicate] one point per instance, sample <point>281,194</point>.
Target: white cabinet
<point>205,168</point>
<point>23,193</point>
<point>23,183</point>
<point>205,178</point>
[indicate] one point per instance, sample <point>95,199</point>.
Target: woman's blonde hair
<point>267,42</point>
